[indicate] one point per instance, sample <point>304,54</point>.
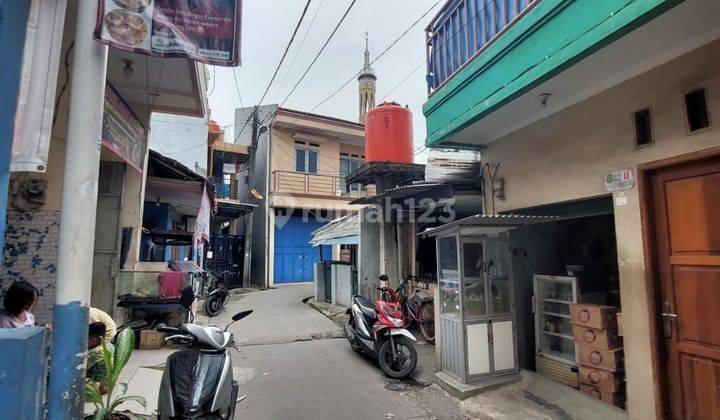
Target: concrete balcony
<point>317,185</point>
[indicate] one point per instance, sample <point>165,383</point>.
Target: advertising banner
<point>122,132</point>
<point>202,30</point>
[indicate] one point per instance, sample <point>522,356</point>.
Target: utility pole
<point>77,220</point>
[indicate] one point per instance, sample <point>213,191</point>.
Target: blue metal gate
<point>294,256</point>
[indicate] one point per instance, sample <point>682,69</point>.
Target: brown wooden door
<point>686,209</point>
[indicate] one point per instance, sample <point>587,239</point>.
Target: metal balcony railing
<point>226,189</point>
<point>464,28</point>
<point>314,184</point>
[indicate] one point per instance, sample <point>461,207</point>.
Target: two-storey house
<point>297,174</point>
<point>602,113</point>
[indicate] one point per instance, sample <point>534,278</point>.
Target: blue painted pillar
<point>23,368</point>
<point>13,21</point>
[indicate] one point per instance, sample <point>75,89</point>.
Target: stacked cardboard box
<point>600,357</point>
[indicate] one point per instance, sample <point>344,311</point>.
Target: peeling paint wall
<point>30,254</point>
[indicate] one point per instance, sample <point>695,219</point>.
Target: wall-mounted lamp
<point>256,194</point>
<point>544,99</point>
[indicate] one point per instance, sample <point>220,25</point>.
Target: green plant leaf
<point>108,360</point>
<point>92,394</point>
<point>126,398</point>
<point>124,346</point>
<point>123,387</point>
<point>101,413</point>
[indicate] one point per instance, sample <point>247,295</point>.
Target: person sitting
<point>96,315</point>
<point>19,299</point>
<point>96,371</point>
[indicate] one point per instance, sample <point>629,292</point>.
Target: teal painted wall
<point>552,36</point>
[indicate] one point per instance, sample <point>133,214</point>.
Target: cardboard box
<point>151,340</point>
<point>593,316</point>
<point>602,339</point>
<point>603,380</point>
<point>615,398</point>
<point>619,323</point>
<point>611,360</point>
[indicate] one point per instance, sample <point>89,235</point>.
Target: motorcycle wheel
<point>407,358</point>
<point>427,322</point>
<point>213,305</point>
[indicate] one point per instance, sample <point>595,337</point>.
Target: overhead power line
<point>392,44</point>
<point>332,34</point>
<point>302,42</point>
<point>282,59</point>
<point>287,48</point>
<point>414,70</point>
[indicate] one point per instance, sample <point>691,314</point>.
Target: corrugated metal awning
<point>342,231</point>
<point>487,223</point>
<point>404,191</point>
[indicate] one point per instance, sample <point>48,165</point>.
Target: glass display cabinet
<point>477,320</point>
<point>553,331</point>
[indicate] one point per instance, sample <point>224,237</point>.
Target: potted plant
<point>114,364</point>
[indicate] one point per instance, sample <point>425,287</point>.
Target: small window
<point>306,160</point>
<point>643,127</point>
<point>300,156</point>
<point>696,110</point>
<point>312,161</point>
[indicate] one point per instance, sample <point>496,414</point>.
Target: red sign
<point>121,131</point>
<point>202,30</point>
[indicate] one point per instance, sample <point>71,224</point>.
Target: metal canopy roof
<point>342,231</point>
<point>488,223</point>
<point>403,191</point>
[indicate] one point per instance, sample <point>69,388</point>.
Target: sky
<point>267,27</point>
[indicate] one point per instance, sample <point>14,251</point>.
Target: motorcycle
<point>217,295</point>
<point>380,332</point>
<point>197,382</point>
<point>419,307</point>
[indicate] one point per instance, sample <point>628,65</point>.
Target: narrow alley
<point>294,363</point>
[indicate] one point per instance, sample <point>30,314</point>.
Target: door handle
<point>667,316</point>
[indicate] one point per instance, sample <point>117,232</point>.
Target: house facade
<point>298,171</point>
<point>604,114</point>
<point>136,87</point>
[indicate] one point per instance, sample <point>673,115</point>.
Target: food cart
<point>477,311</point>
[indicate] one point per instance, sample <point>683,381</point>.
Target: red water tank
<point>389,134</point>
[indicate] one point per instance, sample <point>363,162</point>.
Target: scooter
<point>197,382</point>
<point>381,333</point>
<point>217,295</point>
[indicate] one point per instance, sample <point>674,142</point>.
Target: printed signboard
<point>122,132</point>
<point>202,30</point>
<point>619,180</point>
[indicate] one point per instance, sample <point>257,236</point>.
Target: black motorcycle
<point>217,294</point>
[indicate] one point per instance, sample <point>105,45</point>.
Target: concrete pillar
<point>77,220</point>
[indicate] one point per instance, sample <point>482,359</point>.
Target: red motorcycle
<point>380,331</point>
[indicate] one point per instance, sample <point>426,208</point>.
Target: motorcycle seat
<point>365,306</point>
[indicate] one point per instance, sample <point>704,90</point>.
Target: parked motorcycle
<point>217,294</point>
<point>419,307</point>
<point>197,382</point>
<point>380,332</point>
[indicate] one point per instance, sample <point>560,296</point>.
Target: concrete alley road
<point>288,372</point>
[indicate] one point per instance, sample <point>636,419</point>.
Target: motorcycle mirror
<point>237,317</point>
<point>240,315</point>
